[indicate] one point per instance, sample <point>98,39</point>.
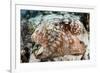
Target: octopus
<point>59,41</point>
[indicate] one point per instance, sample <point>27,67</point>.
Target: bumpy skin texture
<point>63,42</point>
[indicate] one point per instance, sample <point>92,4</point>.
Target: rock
<point>25,55</point>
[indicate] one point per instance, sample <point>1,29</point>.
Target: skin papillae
<point>63,42</point>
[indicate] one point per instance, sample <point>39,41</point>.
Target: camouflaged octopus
<point>58,39</point>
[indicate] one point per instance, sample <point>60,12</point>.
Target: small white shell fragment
<point>40,51</point>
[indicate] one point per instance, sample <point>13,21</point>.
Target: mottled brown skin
<point>61,46</point>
